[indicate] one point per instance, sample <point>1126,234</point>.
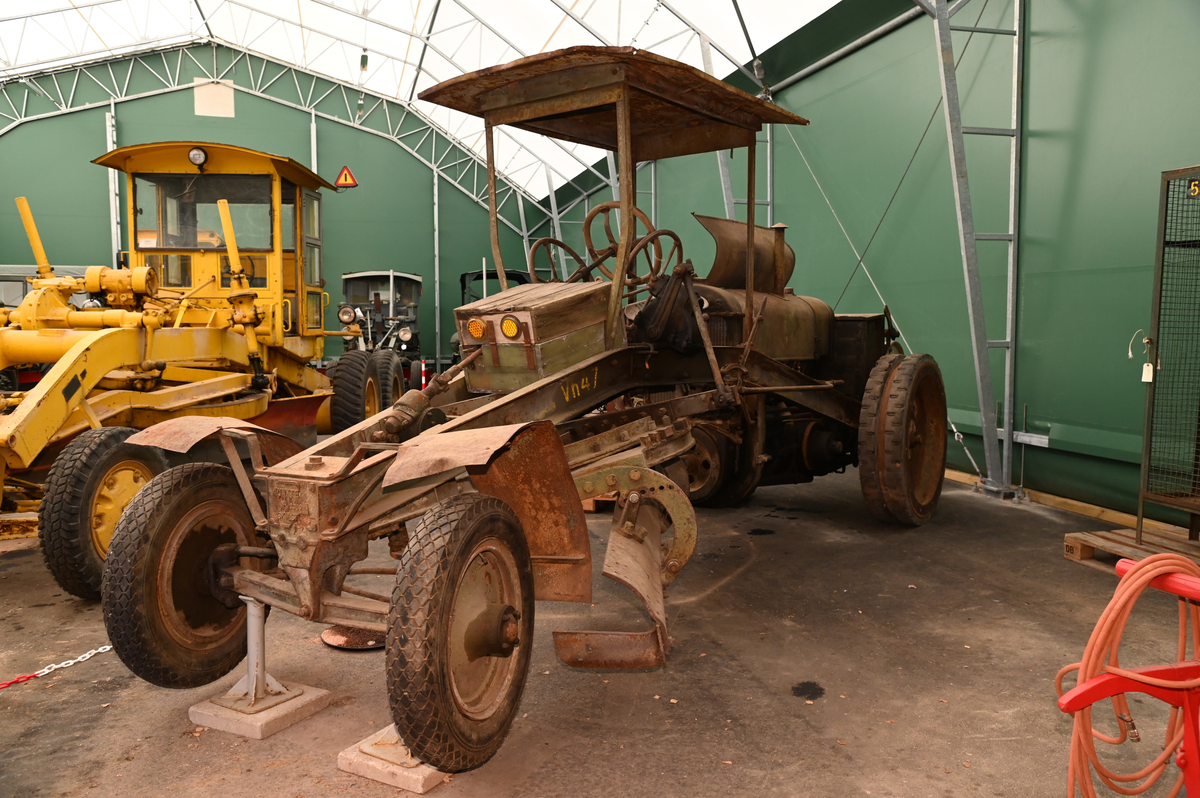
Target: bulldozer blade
<point>635,563</point>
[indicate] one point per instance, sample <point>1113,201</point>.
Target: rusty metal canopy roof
<point>675,109</point>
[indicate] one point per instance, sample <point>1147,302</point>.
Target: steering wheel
<point>653,258</point>
<point>546,243</point>
<point>652,240</point>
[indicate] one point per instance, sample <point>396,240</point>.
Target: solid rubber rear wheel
<point>355,390</point>
<point>88,487</point>
<point>159,610</point>
<point>914,440</point>
<point>871,420</point>
<point>391,376</point>
<point>460,628</point>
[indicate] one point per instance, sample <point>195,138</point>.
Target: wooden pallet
<point>1082,546</point>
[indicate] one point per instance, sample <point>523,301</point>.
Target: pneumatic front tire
<point>159,609</point>
<point>460,627</point>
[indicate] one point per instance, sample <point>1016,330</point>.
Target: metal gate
<point>1171,442</point>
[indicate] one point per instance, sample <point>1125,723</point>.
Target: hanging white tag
<point>1147,372</point>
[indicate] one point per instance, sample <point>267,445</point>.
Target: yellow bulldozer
<point>195,322</point>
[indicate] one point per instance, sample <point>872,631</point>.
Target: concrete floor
<point>817,653</point>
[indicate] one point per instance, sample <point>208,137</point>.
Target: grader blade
<point>632,559</point>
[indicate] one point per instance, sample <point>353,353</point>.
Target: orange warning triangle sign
<point>345,179</point>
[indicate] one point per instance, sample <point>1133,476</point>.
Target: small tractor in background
<point>196,323</point>
<point>383,306</point>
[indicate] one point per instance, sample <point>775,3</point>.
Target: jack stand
<point>258,705</point>
<point>384,757</point>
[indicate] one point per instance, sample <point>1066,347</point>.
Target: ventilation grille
<point>1174,467</point>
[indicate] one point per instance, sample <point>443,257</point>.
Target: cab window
<point>180,211</point>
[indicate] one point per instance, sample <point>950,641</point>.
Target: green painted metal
<point>1101,122</point>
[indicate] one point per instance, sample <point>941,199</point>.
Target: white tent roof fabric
<point>409,45</point>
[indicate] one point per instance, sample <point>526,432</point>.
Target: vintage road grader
<point>654,383</point>
<point>191,326</point>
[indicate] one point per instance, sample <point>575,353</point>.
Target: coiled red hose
<point>1101,656</point>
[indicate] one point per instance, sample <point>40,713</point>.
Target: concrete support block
<point>260,725</point>
<point>383,757</point>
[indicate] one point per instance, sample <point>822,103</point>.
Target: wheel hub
<point>485,630</point>
<point>117,488</point>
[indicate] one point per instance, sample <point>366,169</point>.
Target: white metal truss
<point>394,49</point>
<point>107,83</point>
<point>363,63</point>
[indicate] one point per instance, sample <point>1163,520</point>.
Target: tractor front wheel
<point>87,489</point>
<point>160,611</point>
<point>460,628</point>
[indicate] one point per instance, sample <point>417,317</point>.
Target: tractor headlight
<point>510,327</point>
<point>405,334</point>
<point>477,329</point>
<point>197,156</point>
<point>347,338</point>
<point>345,314</point>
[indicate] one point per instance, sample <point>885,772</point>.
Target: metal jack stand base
<point>383,757</point>
<point>998,491</point>
<point>258,705</point>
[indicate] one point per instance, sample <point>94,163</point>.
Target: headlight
<point>345,314</point>
<point>477,329</point>
<point>405,334</point>
<point>510,327</point>
<point>197,156</point>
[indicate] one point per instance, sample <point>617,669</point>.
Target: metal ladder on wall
<point>997,441</point>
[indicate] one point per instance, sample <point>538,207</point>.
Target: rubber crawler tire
<point>391,377</point>
<point>915,384</point>
<point>870,437</point>
<point>131,581</point>
<point>64,518</point>
<point>350,380</point>
<point>418,673</point>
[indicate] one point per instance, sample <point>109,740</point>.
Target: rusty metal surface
<point>633,560</point>
<point>628,473</point>
<point>532,477</point>
<point>353,611</point>
<point>438,452</point>
<point>290,413</point>
<point>569,94</point>
<point>729,264</point>
<point>181,434</point>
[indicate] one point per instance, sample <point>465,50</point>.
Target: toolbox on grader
<point>632,375</point>
<point>197,323</point>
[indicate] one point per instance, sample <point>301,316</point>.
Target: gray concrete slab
<point>928,657</point>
